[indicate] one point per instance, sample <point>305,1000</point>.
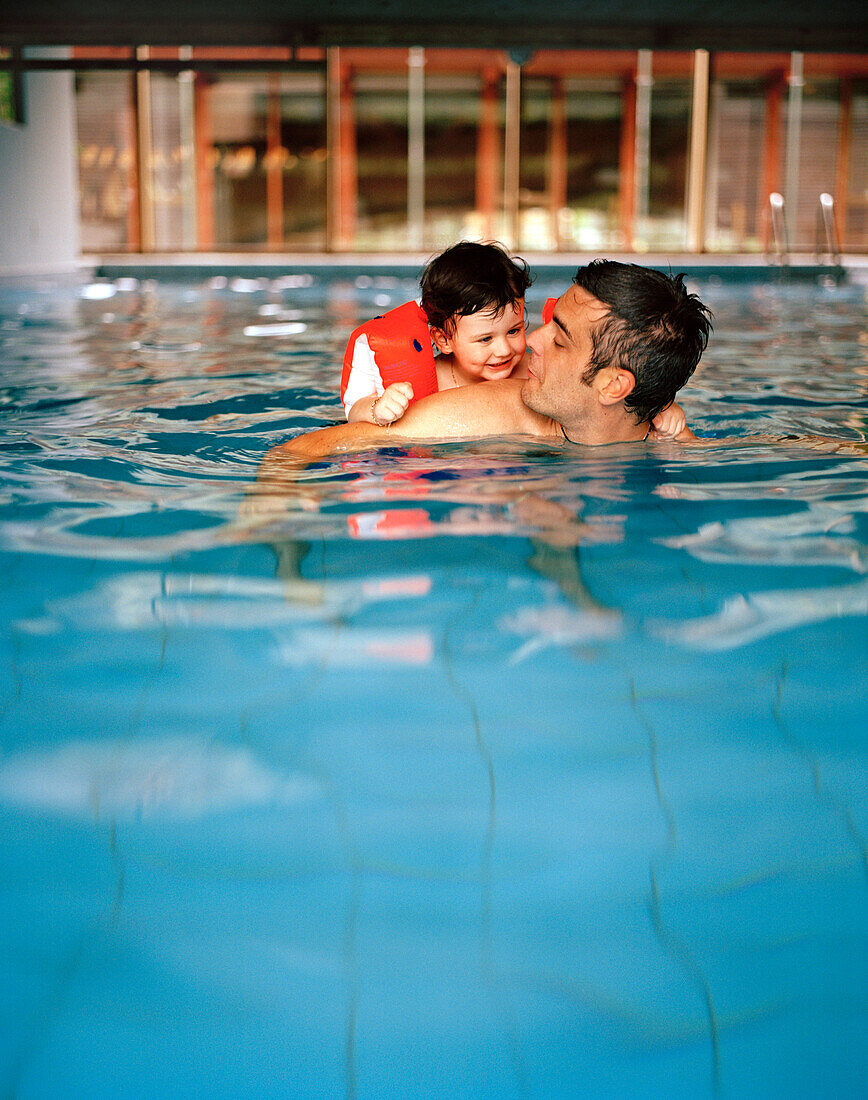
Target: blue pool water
<point>461,771</point>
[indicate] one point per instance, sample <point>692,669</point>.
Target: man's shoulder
<point>487,408</point>
<point>471,412</point>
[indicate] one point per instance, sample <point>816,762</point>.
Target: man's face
<point>560,356</point>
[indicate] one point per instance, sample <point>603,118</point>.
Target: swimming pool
<point>466,770</point>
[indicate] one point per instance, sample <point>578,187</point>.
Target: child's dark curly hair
<point>469,277</point>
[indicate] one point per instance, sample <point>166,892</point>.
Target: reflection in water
<point>173,777</point>
<point>554,625</point>
<point>810,537</point>
<point>848,481</point>
<point>451,494</point>
<point>136,601</point>
<point>354,648</point>
<point>744,619</point>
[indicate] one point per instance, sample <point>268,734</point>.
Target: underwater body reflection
<point>467,769</point>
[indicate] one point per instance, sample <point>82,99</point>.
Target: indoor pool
<point>469,770</point>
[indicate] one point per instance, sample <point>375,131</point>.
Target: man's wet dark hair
<point>469,277</point>
<point>655,329</point>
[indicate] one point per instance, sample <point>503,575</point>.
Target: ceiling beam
<point>567,24</point>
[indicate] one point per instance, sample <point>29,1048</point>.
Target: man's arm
<point>471,412</point>
<point>356,436</point>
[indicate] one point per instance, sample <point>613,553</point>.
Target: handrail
<point>779,227</point>
<point>827,228</point>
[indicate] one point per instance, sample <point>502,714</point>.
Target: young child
<point>472,309</point>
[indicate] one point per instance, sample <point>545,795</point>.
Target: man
<point>621,342</point>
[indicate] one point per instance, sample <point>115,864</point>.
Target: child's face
<point>485,346</point>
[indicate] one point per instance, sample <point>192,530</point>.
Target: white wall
<point>39,228</point>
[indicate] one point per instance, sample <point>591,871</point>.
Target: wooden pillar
<point>842,160</point>
<point>698,161</point>
<point>145,154</point>
<point>487,152</point>
<point>792,162</point>
<point>512,156</point>
<point>770,176</point>
<point>204,161</point>
<point>343,176</point>
<point>187,118</point>
<point>415,147</point>
<point>133,220</point>
<point>349,193</point>
<point>627,163</point>
<point>557,159</point>
<point>642,147</point>
<point>343,186</point>
<point>273,164</point>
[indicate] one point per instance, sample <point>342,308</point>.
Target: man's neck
<point>597,433</point>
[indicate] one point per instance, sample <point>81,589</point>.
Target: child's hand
<point>670,423</point>
<point>392,403</point>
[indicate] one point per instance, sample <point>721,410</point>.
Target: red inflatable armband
<point>401,346</point>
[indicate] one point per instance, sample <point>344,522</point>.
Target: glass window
<point>452,120</point>
<point>853,220</point>
<point>267,155</point>
<point>172,163</point>
<point>106,162</point>
<point>594,117</point>
<point>818,149</point>
<point>665,225</point>
<point>537,214</point>
<point>735,204</point>
<point>380,104</point>
<point>237,117</point>
<point>570,148</point>
<point>302,158</point>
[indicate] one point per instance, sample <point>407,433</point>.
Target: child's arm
<point>671,425</point>
<point>385,409</point>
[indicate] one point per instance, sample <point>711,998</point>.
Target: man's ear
<point>441,341</point>
<point>618,384</point>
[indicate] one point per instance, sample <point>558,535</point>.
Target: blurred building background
<point>356,146</point>
<point>408,149</point>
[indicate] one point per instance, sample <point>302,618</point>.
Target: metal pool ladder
<point>827,231</point>
<point>826,244</point>
<point>779,228</point>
